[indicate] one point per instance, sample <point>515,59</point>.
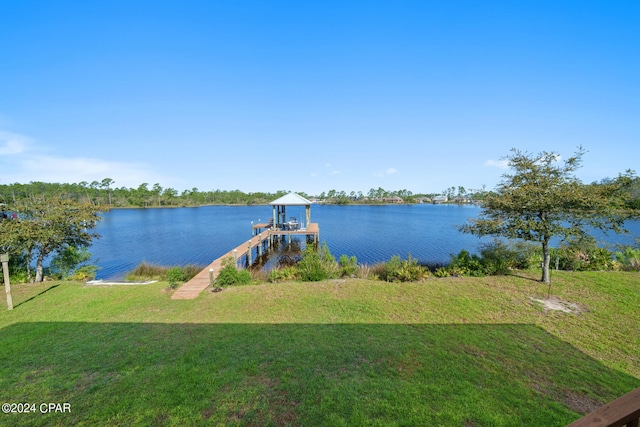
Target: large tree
<point>46,226</point>
<point>542,199</point>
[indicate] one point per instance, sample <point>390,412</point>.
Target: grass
<point>451,352</point>
<point>148,271</point>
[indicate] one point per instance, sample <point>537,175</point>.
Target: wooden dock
<point>261,241</point>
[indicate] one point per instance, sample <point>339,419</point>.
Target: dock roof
<point>291,199</point>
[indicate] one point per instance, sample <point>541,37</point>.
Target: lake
<point>180,236</point>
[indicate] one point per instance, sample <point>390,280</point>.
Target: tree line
<point>105,194</point>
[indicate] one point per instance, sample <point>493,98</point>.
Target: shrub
<point>230,275</point>
<point>174,276</point>
<point>317,265</point>
<point>349,266</point>
<point>465,263</point>
<point>629,259</point>
<point>456,271</point>
<point>498,257</point>
<point>442,272</point>
<point>282,274</point>
<point>398,270</point>
<point>84,273</point>
<point>582,254</point>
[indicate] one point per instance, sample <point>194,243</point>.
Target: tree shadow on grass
<point>300,374</point>
<point>35,296</point>
<point>523,276</point>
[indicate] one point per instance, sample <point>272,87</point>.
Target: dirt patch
<point>556,304</point>
<point>580,403</point>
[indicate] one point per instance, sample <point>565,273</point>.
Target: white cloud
<point>334,172</point>
<point>22,162</point>
<point>500,164</point>
<point>12,143</point>
<point>77,169</point>
<point>389,171</point>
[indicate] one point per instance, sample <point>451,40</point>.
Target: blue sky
<point>314,96</point>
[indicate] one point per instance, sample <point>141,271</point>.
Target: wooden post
<point>249,254</point>
<point>259,244</point>
<point>4,258</point>
<point>211,277</point>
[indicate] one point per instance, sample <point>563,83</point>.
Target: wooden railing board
<point>624,411</point>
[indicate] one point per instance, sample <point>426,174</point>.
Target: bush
<point>174,276</point>
<point>349,266</point>
<point>629,259</point>
<point>230,275</point>
<point>466,264</point>
<point>282,274</point>
<point>317,265</point>
<point>85,273</point>
<point>582,254</point>
<point>498,257</point>
<point>442,272</point>
<point>398,270</point>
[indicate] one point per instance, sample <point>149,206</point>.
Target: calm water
<point>180,236</point>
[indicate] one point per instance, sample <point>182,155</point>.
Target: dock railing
<point>624,411</point>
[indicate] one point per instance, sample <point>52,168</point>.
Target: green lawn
<point>450,352</point>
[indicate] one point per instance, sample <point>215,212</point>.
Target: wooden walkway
<point>201,281</point>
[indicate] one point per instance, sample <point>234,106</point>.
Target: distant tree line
<point>105,194</point>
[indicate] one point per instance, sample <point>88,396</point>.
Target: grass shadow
<point>300,374</point>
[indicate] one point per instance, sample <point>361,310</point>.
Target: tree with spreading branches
<point>44,226</point>
<point>542,198</point>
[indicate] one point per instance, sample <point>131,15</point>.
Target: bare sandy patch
<point>556,304</point>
